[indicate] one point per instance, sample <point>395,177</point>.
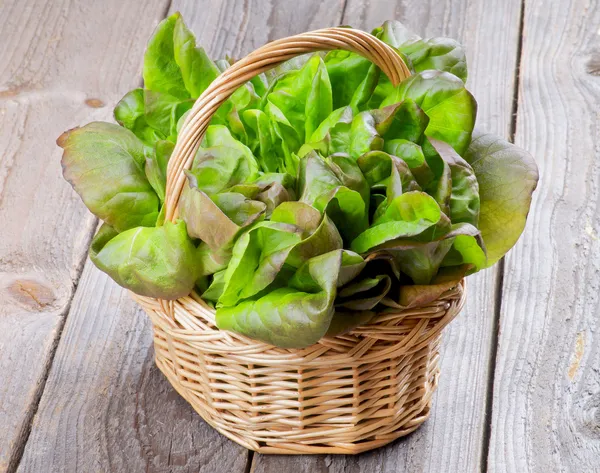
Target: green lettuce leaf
<point>295,315</point>
<point>130,113</point>
<point>222,162</point>
<point>463,203</point>
<point>507,176</point>
<point>156,167</point>
<point>319,186</point>
<point>150,261</point>
<point>301,98</point>
<point>450,107</point>
<point>406,216</point>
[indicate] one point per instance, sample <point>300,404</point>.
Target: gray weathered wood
<point>60,62</point>
<point>453,440</point>
<point>106,407</point>
<point>546,402</point>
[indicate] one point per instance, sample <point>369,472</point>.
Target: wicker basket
<point>345,394</point>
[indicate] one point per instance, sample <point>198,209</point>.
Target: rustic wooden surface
<point>105,407</point>
<point>546,406</point>
<point>59,62</point>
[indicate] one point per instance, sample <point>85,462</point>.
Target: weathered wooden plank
<point>454,439</point>
<point>60,62</point>
<point>105,406</point>
<point>546,400</point>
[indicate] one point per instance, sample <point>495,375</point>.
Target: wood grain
<point>454,438</point>
<point>106,407</point>
<point>60,62</point>
<point>546,402</point>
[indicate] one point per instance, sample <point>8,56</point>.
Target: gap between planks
<point>489,402</point>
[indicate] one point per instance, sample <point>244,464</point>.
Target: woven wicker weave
<point>345,394</point>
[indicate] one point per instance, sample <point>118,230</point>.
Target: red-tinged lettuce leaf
<point>345,321</point>
<point>150,261</point>
<point>421,260</point>
<point>296,315</point>
<point>105,165</point>
<point>274,195</point>
<point>420,295</point>
<point>349,174</point>
<point>219,219</point>
<point>450,107</point>
<point>463,204</point>
<point>322,239</point>
<point>507,176</point>
<point>363,294</point>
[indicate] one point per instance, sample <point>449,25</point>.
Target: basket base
<point>405,426</point>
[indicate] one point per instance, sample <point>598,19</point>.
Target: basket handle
<point>261,60</point>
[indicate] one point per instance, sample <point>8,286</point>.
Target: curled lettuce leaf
<point>406,216</point>
<point>295,315</point>
<point>339,195</point>
<point>463,190</point>
<point>270,250</point>
<point>449,105</point>
<point>151,261</point>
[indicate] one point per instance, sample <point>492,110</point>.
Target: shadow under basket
<point>346,394</point>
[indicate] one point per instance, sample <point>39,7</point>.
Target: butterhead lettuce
<point>319,196</point>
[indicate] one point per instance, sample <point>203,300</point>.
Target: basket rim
<point>192,320</point>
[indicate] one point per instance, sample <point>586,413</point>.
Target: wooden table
<point>520,386</point>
